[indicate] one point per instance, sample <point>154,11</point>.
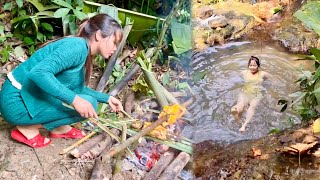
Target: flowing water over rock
<point>219,90</point>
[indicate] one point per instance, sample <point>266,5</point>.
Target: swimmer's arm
<point>267,75</point>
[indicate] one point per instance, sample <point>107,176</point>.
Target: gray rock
<point>218,21</point>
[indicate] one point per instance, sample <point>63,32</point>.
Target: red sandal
<point>73,133</point>
<point>36,142</point>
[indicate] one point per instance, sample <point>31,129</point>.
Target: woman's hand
<point>115,104</point>
<point>84,108</point>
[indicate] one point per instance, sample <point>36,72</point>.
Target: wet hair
<point>108,27</point>
<point>255,59</point>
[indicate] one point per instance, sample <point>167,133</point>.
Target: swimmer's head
<point>254,64</point>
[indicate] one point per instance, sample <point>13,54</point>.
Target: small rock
<point>218,21</point>
<point>204,12</point>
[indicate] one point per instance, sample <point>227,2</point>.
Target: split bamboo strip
<point>77,143</point>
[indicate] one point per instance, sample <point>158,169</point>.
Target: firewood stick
<point>77,143</point>
<point>158,168</point>
<point>175,167</point>
<point>117,167</point>
<point>85,147</point>
<point>98,171</point>
<point>96,150</point>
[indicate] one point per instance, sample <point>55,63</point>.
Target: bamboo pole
<point>113,151</point>
<point>126,11</point>
<point>164,29</point>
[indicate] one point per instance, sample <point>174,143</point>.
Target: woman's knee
<point>91,99</point>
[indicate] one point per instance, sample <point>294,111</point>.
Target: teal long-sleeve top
<point>55,74</point>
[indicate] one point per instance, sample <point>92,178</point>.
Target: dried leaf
<point>316,126</point>
<point>309,139</point>
<point>159,132</point>
<point>256,152</point>
<point>173,112</point>
<point>299,148</point>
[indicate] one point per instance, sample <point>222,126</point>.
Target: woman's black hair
<point>108,27</point>
<point>253,58</point>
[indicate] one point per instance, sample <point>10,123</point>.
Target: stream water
<point>219,90</point>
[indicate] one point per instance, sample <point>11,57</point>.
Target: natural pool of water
<point>219,90</point>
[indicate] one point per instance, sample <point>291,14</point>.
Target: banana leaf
<point>309,14</point>
<point>142,22</point>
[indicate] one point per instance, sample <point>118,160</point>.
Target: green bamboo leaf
<point>62,12</point>
<point>316,126</point>
<point>7,6</point>
<point>47,26</point>
<point>317,92</point>
<point>62,3</point>
<point>80,15</point>
<point>19,3</point>
<point>18,51</point>
<point>48,14</point>
<point>20,18</point>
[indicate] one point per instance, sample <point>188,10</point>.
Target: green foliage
<point>309,14</point>
<point>181,35</point>
<point>142,87</point>
<point>308,97</point>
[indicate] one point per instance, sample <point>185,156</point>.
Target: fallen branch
<point>96,150</point>
<point>175,167</point>
<point>77,143</point>
<point>125,80</point>
<point>158,168</point>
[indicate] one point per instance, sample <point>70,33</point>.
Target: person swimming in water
<point>251,94</point>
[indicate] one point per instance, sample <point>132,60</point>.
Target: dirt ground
<point>18,161</point>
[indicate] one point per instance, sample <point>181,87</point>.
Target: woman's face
<point>253,67</point>
<point>107,46</point>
